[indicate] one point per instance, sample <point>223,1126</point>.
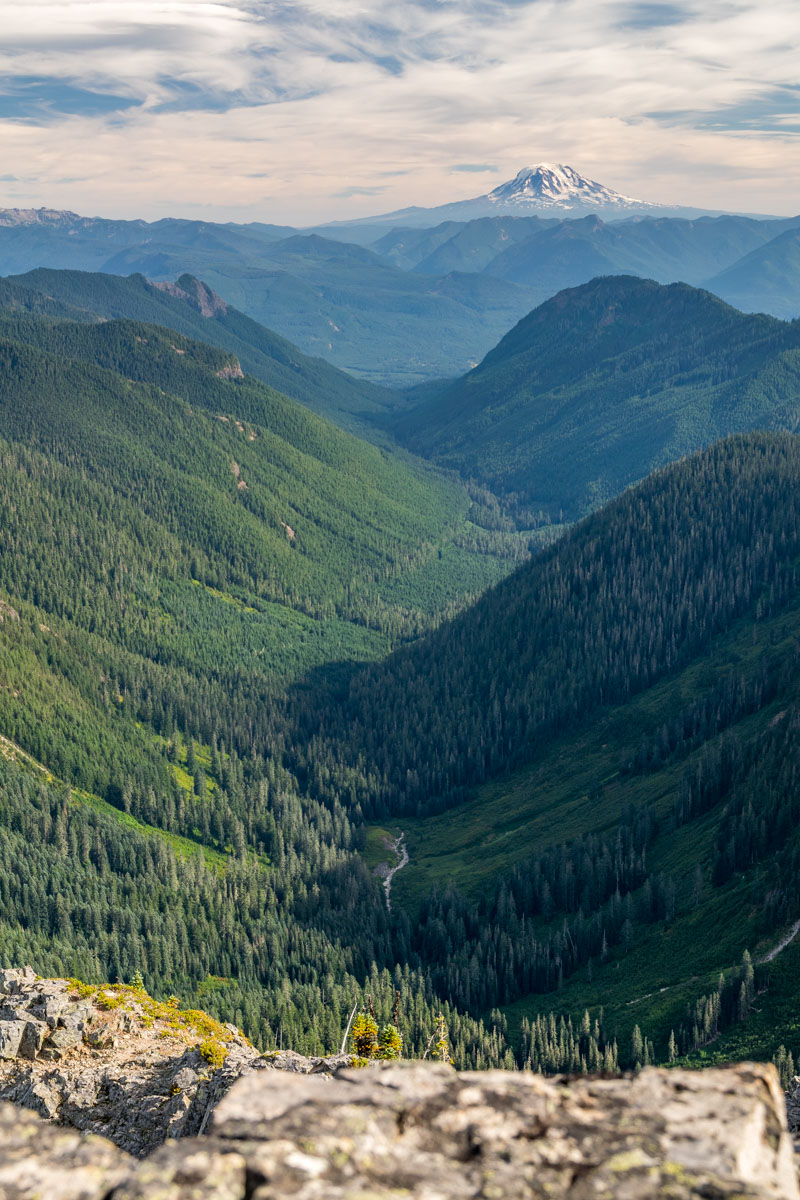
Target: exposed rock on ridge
<point>113,1061</point>
<point>41,216</point>
<point>424,1132</point>
<point>207,1116</point>
<point>195,293</point>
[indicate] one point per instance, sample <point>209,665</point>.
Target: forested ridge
<point>189,307</point>
<point>193,567</point>
<point>604,383</point>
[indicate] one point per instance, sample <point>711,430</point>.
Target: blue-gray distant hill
<point>547,255</point>
<point>767,279</point>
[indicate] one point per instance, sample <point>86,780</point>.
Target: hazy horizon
<point>297,112</point>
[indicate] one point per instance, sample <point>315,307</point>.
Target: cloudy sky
<point>299,110</point>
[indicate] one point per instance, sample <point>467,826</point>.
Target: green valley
<point>243,650</point>
<point>647,837</point>
<point>182,545</point>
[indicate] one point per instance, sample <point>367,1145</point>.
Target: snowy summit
<point>552,190</point>
<point>558,186</point>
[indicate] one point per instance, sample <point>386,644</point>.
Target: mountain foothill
<point>457,565</point>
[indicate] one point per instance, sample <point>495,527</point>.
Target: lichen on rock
<point>113,1061</point>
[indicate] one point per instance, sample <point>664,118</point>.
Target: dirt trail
<point>772,954</point>
<point>782,944</point>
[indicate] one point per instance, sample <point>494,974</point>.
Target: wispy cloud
<point>473,169</point>
<point>162,103</point>
<point>347,193</point>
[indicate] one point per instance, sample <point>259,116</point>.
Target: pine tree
<point>391,1045</point>
<point>364,1035</point>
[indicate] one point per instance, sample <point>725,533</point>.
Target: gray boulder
<point>45,1162</point>
<point>10,1038</point>
<point>423,1132</point>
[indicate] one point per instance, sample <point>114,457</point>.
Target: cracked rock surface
<point>422,1131</point>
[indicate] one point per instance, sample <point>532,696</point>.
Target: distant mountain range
<point>404,298</point>
<point>336,300</point>
<point>725,254</point>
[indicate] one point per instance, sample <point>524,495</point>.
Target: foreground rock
<point>114,1062</point>
<point>39,1161</point>
<point>793,1110</point>
<point>422,1131</point>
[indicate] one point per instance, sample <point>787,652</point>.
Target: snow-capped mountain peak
<point>38,216</point>
<point>552,191</point>
<point>556,185</point>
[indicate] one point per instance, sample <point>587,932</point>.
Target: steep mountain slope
<point>177,544</point>
<point>766,280</point>
<point>605,382</point>
<point>360,518</point>
<point>191,308</point>
<point>193,536</point>
<point>617,728</point>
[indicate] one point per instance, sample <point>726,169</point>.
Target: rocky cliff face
<point>197,294</point>
<point>113,1061</point>
<point>208,1117</point>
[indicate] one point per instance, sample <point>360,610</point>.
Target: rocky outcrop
<point>232,370</point>
<point>195,293</point>
<point>113,1061</point>
<point>423,1132</point>
<point>38,1160</point>
<point>7,611</point>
